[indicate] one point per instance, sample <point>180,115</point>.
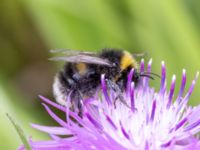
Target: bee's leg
<point>112,85</point>
<point>80,103</point>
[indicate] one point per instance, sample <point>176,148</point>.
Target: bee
<point>81,75</point>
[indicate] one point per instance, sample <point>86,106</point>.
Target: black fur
<point>86,86</point>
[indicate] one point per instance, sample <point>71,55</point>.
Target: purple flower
<point>151,121</point>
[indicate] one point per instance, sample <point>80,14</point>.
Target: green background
<point>168,30</point>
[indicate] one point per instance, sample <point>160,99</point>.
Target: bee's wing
<point>83,59</point>
<point>72,52</point>
<point>140,54</point>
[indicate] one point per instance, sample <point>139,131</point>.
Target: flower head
<point>151,121</point>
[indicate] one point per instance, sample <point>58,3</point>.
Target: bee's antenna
<point>150,73</point>
<point>148,76</point>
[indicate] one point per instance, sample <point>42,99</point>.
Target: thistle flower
<point>154,120</point>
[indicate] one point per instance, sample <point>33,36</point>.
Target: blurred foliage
<point>168,30</point>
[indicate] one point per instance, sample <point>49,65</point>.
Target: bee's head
<point>122,62</point>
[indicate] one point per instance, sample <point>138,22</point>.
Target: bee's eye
<point>136,75</point>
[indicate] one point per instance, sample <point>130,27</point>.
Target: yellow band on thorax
<point>127,60</point>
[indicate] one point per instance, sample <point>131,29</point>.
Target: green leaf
<point>20,133</point>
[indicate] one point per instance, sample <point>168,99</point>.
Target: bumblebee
<point>81,75</point>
